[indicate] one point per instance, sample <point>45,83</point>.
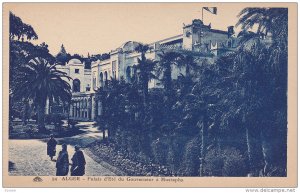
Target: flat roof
<point>169,38</point>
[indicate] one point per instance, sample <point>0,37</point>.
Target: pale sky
<point>101,27</point>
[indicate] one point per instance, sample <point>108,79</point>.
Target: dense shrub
<point>58,121</point>
<point>190,161</point>
<point>55,119</point>
<point>160,150</point>
<point>225,162</point>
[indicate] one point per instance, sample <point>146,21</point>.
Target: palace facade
<point>196,38</point>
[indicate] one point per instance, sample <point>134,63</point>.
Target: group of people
<point>62,162</point>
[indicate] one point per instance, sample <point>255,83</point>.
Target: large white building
<point>196,38</point>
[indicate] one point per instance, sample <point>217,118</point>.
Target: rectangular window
<point>115,74</point>
<point>114,68</point>
<point>114,65</point>
<point>77,71</point>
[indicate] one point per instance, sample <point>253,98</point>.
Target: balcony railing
<point>180,49</point>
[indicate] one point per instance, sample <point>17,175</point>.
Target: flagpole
<point>202,16</point>
<point>201,28</point>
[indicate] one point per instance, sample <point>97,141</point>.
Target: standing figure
<point>62,162</point>
<point>78,163</point>
<point>51,147</point>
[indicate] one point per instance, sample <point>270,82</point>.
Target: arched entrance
<point>105,77</point>
<point>101,79</point>
<point>128,74</point>
<point>76,85</point>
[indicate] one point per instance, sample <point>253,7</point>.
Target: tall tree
<point>263,67</point>
<point>62,57</point>
<point>40,81</point>
<point>188,61</point>
<point>63,50</point>
<point>267,20</point>
<point>167,61</point>
<point>19,30</point>
<point>20,52</point>
<point>145,69</point>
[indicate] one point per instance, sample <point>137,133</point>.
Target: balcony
<point>178,48</point>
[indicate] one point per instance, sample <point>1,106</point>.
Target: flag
<point>212,10</point>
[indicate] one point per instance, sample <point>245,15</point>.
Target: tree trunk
<point>267,154</point>
<point>41,116</point>
<point>145,93</point>
<point>253,132</point>
<point>203,133</point>
<point>168,79</point>
<point>103,113</point>
<point>273,149</point>
<point>254,148</point>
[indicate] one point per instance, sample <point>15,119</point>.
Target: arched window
<point>128,74</point>
<point>88,104</point>
<point>101,79</point>
<point>76,85</point>
<point>85,103</point>
<point>114,69</point>
<point>105,77</point>
<point>74,109</point>
<point>134,72</point>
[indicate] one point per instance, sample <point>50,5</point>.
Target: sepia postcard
<point>150,95</point>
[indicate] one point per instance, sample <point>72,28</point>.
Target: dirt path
<point>29,157</point>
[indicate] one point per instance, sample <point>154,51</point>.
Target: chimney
<point>230,31</point>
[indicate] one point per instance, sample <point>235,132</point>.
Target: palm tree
<point>145,69</point>
<point>188,61</point>
<point>167,60</point>
<point>264,78</point>
<point>268,20</point>
<point>142,48</point>
<point>272,21</point>
<point>40,81</point>
<point>245,36</point>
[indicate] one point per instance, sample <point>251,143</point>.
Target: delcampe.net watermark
<point>270,190</point>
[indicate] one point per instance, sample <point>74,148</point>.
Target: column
<point>70,112</point>
<point>93,108</point>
